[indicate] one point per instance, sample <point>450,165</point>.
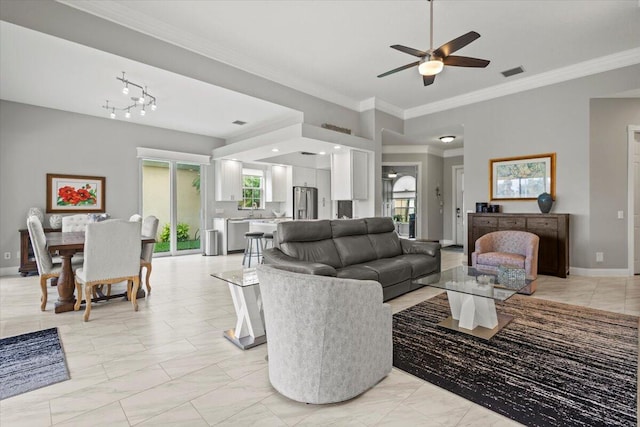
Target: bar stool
<point>268,239</point>
<point>252,236</point>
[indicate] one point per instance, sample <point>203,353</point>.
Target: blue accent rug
<point>31,361</point>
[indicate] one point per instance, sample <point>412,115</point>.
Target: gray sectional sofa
<point>366,249</point>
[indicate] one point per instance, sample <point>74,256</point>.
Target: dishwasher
<point>235,234</point>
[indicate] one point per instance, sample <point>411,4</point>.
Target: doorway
<point>634,199</point>
<point>459,216</point>
<point>172,191</point>
<point>401,197</point>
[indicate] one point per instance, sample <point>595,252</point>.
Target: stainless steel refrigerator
<point>305,203</point>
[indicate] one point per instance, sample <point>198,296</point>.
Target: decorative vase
<point>37,212</point>
<point>55,221</point>
<point>545,202</point>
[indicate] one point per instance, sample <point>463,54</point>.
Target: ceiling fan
<point>433,61</point>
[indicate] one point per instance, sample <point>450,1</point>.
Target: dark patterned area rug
<point>553,365</point>
<point>30,361</point>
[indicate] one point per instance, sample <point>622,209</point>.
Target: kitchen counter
<point>231,230</point>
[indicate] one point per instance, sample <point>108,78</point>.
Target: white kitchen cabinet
<point>277,184</point>
<point>323,183</point>
<point>228,180</point>
<point>304,177</point>
<point>349,175</point>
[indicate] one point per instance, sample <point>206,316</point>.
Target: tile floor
<point>168,364</point>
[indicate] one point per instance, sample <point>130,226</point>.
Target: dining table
<point>66,245</point>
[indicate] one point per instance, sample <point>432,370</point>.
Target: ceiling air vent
<point>239,123</point>
<point>306,153</point>
<point>513,71</point>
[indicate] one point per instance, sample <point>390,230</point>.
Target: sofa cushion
<point>420,265</point>
<point>303,231</point>
<point>348,227</point>
<point>390,270</point>
<point>495,259</point>
<point>357,272</point>
<point>322,251</point>
<point>379,225</point>
<point>355,249</point>
<point>386,245</point>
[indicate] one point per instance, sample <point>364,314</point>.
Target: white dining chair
<point>149,229</point>
<point>76,222</point>
<point>135,218</point>
<point>111,255</point>
<point>47,268</point>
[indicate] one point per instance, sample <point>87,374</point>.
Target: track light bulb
<point>142,112</point>
<point>112,114</point>
<point>125,90</point>
<point>141,100</point>
<point>127,114</point>
<point>154,107</point>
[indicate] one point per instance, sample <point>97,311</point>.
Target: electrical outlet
<point>18,255</point>
<point>620,214</point>
<point>599,257</point>
<point>7,255</point>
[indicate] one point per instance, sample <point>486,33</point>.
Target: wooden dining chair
<point>47,268</point>
<point>111,255</point>
<point>150,229</point>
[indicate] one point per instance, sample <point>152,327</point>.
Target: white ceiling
<point>42,70</point>
<point>330,49</point>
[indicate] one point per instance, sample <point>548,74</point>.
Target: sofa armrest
<point>413,247</point>
<point>276,258</point>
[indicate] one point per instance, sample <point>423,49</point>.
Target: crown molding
<point>581,69</point>
<point>119,14</point>
<point>412,149</point>
<point>381,105</point>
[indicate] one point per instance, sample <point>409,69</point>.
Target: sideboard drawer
<point>542,223</point>
<point>483,221</point>
<point>506,223</point>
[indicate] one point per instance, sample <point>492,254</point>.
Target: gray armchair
<point>328,338</point>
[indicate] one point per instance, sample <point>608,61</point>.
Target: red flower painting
<point>70,196</point>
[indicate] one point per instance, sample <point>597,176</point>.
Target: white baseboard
<point>9,271</point>
<point>447,242</point>
<point>600,272</point>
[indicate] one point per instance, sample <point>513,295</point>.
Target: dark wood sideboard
<point>553,230</point>
<point>27,258</point>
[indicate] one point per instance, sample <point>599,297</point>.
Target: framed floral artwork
<point>522,178</point>
<point>75,193</point>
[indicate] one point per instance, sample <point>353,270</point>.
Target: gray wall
<point>448,194</point>
<point>553,118</point>
<point>609,119</point>
<point>35,141</point>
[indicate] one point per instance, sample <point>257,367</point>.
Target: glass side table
<point>245,292</point>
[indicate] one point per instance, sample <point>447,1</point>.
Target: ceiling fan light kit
<point>433,60</point>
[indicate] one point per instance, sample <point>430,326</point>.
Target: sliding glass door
<point>171,190</point>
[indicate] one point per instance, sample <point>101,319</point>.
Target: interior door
<point>636,205</point>
<point>459,206</point>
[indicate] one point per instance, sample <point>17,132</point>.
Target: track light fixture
<point>145,99</point>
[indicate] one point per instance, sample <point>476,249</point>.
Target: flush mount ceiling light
<point>392,174</point>
<point>447,139</point>
<point>145,99</point>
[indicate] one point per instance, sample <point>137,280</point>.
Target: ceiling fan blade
<point>427,80</point>
<point>404,67</point>
<point>455,44</point>
<point>409,50</point>
<point>465,61</point>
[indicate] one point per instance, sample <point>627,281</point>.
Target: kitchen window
<point>252,189</point>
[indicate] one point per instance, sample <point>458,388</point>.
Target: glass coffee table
<point>472,294</point>
<point>245,292</point>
